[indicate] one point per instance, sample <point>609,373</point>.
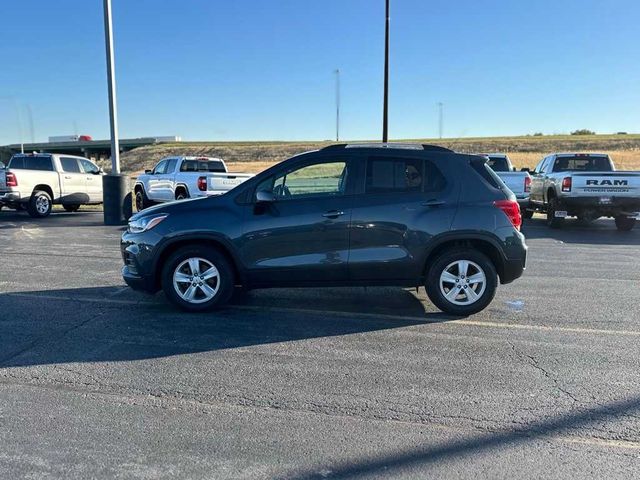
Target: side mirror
<point>99,171</point>
<point>265,196</point>
<point>525,169</point>
<point>148,172</point>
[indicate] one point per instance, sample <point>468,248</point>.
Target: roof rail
<point>405,146</point>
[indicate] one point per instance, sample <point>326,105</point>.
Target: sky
<point>264,69</point>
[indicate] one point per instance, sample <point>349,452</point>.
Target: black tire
<point>624,223</point>
<point>224,280</point>
<point>443,263</point>
<point>552,220</point>
<point>181,194</point>
<point>142,201</point>
<point>527,214</point>
<point>40,204</point>
<point>71,208</point>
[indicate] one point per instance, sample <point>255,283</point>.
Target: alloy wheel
<point>196,280</point>
<point>463,282</point>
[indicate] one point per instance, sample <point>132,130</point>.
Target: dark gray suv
<point>383,214</point>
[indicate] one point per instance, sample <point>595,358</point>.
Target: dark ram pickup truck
<point>372,214</point>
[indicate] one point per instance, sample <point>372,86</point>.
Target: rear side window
<point>394,175</point>
<point>32,163</point>
<point>69,165</point>
<point>385,174</point>
<point>171,165</point>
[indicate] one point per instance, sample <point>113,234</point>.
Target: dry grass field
<point>525,151</point>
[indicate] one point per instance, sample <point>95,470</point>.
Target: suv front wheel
<point>462,281</point>
<point>197,278</point>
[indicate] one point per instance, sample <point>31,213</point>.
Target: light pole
<point>337,72</point>
<point>385,109</point>
<point>440,118</point>
<point>115,187</point>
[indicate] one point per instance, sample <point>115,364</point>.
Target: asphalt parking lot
<point>97,381</point>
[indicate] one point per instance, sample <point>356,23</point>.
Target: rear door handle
<point>433,203</point>
<point>333,214</point>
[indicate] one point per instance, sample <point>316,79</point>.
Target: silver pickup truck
<point>37,181</point>
<point>519,182</point>
<point>587,186</point>
<point>177,178</point>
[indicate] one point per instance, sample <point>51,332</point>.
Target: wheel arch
<point>485,244</point>
<point>44,188</point>
<point>222,245</point>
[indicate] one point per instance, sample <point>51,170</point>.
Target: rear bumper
<point>617,205</point>
<point>9,197</point>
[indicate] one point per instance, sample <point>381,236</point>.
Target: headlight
<point>145,223</point>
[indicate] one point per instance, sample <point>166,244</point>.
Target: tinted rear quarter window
<point>487,174</point>
<point>42,163</point>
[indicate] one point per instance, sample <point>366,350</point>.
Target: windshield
<point>582,163</point>
<point>498,164</point>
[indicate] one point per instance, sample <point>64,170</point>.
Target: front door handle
<point>67,177</point>
<point>333,214</point>
<point>433,203</point>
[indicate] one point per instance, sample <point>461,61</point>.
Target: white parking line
<point>373,316</point>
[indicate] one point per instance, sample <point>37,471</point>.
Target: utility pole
<point>115,187</point>
<point>440,118</point>
<point>385,111</point>
<point>337,72</point>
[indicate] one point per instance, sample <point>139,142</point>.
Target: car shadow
<point>599,232</point>
<point>59,218</point>
<point>116,324</point>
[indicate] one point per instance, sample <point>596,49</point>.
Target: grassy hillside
<point>524,151</point>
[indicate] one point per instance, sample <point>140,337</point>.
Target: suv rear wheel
<point>462,281</point>
<point>197,278</point>
<point>39,205</point>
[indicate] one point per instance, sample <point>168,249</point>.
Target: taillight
<point>512,210</point>
<point>527,184</point>
<point>12,181</point>
<point>202,184</point>
<point>566,184</point>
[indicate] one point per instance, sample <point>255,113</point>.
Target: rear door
<point>303,236</point>
<point>403,202</point>
<point>72,181</point>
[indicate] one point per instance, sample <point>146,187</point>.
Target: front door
<point>404,202</point>
<point>93,180</point>
<point>72,182</point>
<point>302,236</point>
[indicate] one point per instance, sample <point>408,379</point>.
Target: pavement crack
<point>533,362</point>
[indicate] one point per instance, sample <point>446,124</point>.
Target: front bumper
<point>137,282</point>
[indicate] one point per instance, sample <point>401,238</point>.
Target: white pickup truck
<point>587,186</point>
<point>177,178</point>
<point>37,181</point>
<point>518,182</point>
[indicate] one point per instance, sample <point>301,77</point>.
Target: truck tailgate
<point>615,184</point>
<point>515,181</point>
<point>222,182</point>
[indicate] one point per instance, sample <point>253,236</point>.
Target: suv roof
<point>391,146</point>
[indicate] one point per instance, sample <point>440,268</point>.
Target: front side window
<point>394,175</point>
<point>320,179</point>
<point>160,168</point>
<point>69,165</point>
<point>89,167</point>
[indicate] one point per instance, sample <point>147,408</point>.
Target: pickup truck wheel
<point>181,195</point>
<point>71,208</point>
<point>461,281</point>
<point>552,220</point>
<point>624,223</point>
<point>142,201</point>
<point>39,205</point>
<point>197,278</point>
